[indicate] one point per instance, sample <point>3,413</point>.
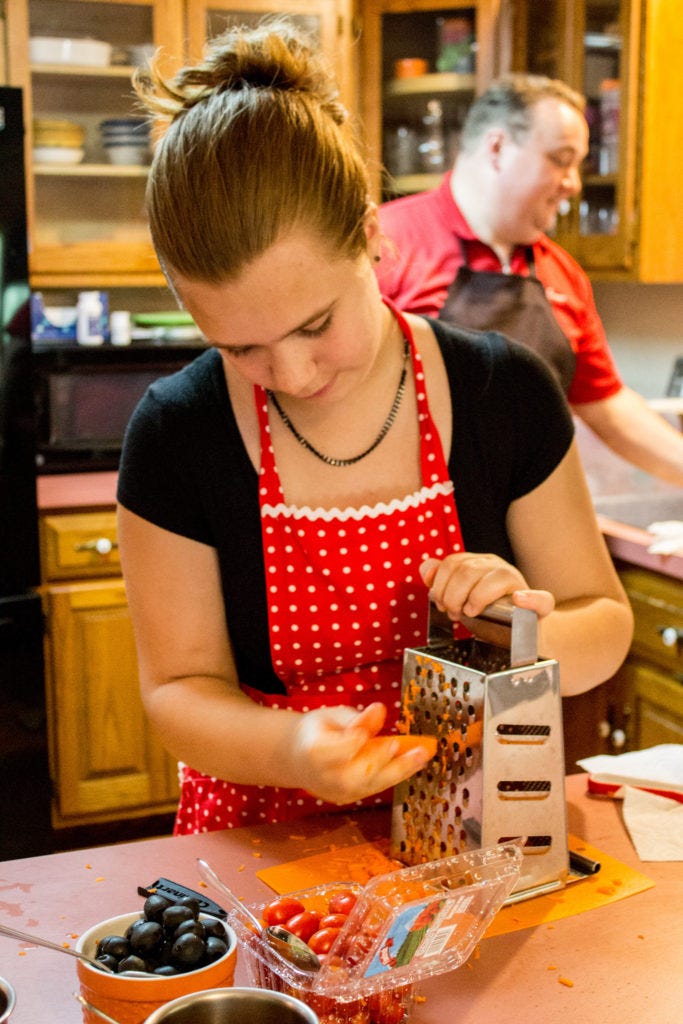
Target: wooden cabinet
<point>652,678</point>
<point>86,220</point>
<point>458,46</point>
<point>624,55</point>
<point>105,762</point>
<point>642,705</point>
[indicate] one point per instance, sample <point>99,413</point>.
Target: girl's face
<point>299,320</point>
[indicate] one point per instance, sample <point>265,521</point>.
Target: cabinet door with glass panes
<point>422,65</point>
<point>588,44</point>
<point>327,22</point>
<point>87,144</point>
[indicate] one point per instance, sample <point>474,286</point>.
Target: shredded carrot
<point>241,867</point>
<point>88,866</point>
<point>566,981</point>
<point>552,967</point>
<point>256,853</point>
<point>203,885</point>
<point>22,952</point>
<point>641,936</point>
<point>100,879</point>
<point>65,945</point>
<point>74,935</point>
<point>419,999</point>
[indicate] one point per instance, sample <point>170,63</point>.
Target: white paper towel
<point>655,824</point>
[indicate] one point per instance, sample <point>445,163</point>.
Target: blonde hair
<point>256,143</point>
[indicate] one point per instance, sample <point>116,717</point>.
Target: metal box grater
<point>498,772</point>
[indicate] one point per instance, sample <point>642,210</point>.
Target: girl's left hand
<point>463,585</point>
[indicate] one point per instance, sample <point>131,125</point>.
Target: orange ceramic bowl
<point>132,1000</point>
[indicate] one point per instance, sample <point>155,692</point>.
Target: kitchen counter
<point>620,957</point>
<point>76,492</point>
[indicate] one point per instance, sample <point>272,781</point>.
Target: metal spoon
<point>290,946</point>
<point>34,940</point>
<point>97,964</point>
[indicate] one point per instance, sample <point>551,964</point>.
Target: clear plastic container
<point>406,926</point>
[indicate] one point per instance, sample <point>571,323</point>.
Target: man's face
<point>540,171</point>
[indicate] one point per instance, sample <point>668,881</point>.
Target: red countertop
<point>623,958</point>
<point>76,492</point>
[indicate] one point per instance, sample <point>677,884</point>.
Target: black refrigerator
<point>24,788</point>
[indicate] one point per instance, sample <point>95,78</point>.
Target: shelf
<point>444,81</point>
<point>415,182</point>
<point>92,170</point>
<point>81,70</point>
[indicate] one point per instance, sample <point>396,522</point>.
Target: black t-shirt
<point>184,466</point>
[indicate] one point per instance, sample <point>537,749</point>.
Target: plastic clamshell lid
<point>406,925</point>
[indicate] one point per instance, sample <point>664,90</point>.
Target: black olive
<point>166,970</point>
<point>192,902</point>
<point>154,906</point>
<point>175,915</point>
<point>108,960</point>
<point>196,927</point>
<point>214,928</point>
<point>188,949</point>
<point>215,949</point>
<point>145,937</point>
<point>116,945</point>
<point>132,963</point>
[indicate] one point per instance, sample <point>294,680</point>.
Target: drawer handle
<point>671,636</point>
<point>102,545</point>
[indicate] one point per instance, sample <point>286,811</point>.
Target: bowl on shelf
<point>56,50</point>
<point>51,132</point>
<point>127,153</point>
<point>64,155</point>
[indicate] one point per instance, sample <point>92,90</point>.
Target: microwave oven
<point>85,395</point>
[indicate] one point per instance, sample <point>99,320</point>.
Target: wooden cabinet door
<point>105,761</point>
<point>86,219</point>
<point>396,30</point>
<point>624,56</point>
<point>329,22</point>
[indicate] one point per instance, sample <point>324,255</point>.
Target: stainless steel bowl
<point>7,1000</point>
<point>234,1006</point>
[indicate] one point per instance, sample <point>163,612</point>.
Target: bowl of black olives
<point>170,949</point>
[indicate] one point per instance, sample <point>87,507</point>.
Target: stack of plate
<point>57,142</point>
<point>126,140</point>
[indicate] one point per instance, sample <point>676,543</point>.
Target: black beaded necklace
<point>327,459</point>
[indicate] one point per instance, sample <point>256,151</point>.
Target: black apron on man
<point>513,305</point>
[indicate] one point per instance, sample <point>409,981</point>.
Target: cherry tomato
<point>303,924</point>
<point>333,920</point>
<point>280,910</point>
<point>342,903</point>
<point>386,1008</point>
<point>322,940</point>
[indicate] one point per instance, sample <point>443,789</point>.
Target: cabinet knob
<point>618,738</point>
<point>671,636</point>
<point>102,545</point>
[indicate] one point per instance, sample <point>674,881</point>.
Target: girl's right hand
<point>337,764</point>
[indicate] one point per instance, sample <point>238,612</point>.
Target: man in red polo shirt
<point>475,252</point>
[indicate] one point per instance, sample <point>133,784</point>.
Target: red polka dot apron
<point>345,598</point>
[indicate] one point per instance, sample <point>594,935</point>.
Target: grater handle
<point>521,633</point>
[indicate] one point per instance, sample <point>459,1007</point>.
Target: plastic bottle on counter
<point>432,149</point>
<point>610,110</point>
<point>90,315</point>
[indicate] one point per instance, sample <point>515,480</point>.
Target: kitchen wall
<point>644,324</point>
